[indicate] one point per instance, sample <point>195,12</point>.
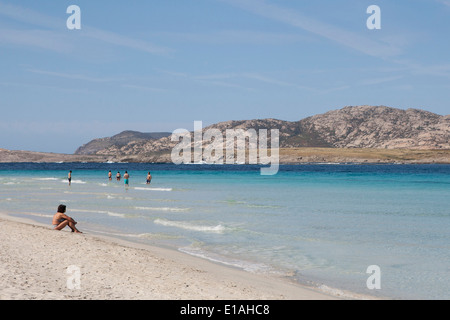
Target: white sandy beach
<point>34,261</point>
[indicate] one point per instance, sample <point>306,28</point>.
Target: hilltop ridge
<point>369,134</point>
<point>350,127</point>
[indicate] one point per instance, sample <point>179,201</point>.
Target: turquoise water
<point>323,225</point>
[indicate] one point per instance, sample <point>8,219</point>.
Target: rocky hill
<point>119,140</point>
<point>351,127</point>
<point>381,127</point>
<point>352,134</point>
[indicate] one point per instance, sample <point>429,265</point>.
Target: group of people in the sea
<point>61,220</point>
<point>126,177</point>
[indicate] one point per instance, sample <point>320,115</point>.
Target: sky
<point>155,66</point>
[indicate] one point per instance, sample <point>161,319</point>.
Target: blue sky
<point>161,65</point>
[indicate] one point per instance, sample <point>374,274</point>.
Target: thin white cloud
<point>375,81</point>
<point>42,39</point>
<point>123,41</point>
<point>88,78</point>
<point>42,86</point>
<point>253,76</point>
<point>72,76</point>
<point>30,17</point>
<point>56,29</point>
<point>331,32</point>
<point>414,68</point>
<point>242,37</point>
<point>143,88</point>
<point>444,2</point>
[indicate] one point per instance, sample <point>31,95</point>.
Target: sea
<point>348,229</point>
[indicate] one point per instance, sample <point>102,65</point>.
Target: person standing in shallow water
<point>118,176</point>
<point>126,176</point>
<point>69,177</point>
<point>109,175</point>
<point>149,178</point>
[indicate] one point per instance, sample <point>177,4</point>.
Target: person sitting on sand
<point>61,220</point>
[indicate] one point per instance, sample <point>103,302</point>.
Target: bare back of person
<point>61,220</point>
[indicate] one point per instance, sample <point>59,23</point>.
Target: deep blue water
<point>321,224</point>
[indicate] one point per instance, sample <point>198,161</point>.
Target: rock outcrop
<point>351,127</point>
<point>118,140</point>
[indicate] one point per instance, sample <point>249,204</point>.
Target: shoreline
<point>287,156</point>
<point>33,267</point>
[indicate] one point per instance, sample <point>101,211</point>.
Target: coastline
<point>286,156</point>
<point>35,259</point>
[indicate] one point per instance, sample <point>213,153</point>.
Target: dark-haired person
<point>126,176</point>
<point>61,220</point>
<point>149,178</point>
<point>69,177</point>
<point>109,175</point>
<point>118,176</point>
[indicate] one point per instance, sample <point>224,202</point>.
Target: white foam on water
<point>163,209</point>
<point>191,226</point>
<point>112,214</point>
<point>343,294</point>
<point>245,265</point>
<point>115,214</point>
<point>74,181</point>
<point>153,189</point>
<point>40,215</point>
<point>45,179</point>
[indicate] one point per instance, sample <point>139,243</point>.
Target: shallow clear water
<point>322,224</point>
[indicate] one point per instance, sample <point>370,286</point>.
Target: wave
<point>163,209</point>
<point>190,226</point>
<point>153,189</point>
<point>45,179</point>
<point>262,206</point>
<point>258,268</point>
<point>39,215</point>
<point>74,181</point>
<point>149,236</point>
<point>340,293</point>
<point>112,214</point>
